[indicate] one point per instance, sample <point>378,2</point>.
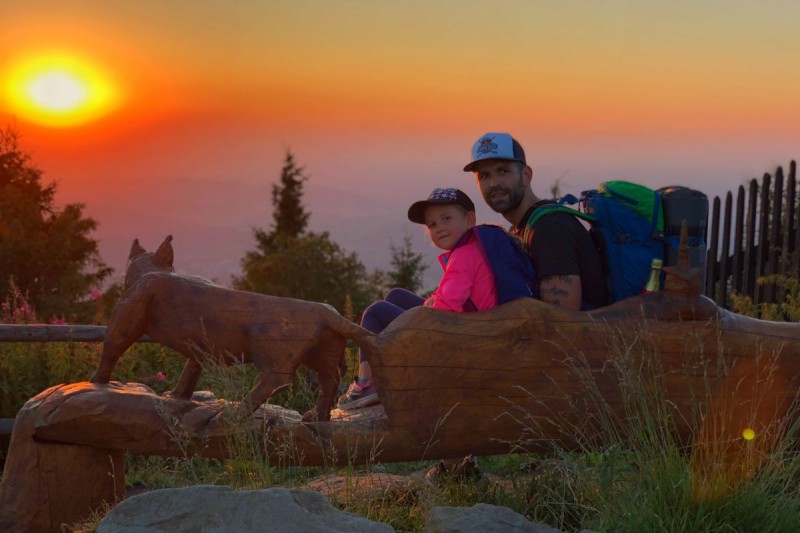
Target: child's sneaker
<point>358,395</point>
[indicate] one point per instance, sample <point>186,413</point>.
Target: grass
<point>629,470</point>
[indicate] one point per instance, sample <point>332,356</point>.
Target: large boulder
<point>221,509</point>
<point>481,518</point>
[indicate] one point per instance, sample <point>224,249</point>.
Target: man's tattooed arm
<point>564,291</point>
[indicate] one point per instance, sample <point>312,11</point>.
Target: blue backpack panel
<point>627,226</point>
<point>629,232</point>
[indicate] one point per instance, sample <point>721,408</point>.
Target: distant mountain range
<point>212,223</point>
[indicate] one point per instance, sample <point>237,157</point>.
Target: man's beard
<point>510,200</point>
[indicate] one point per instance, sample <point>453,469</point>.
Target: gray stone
<point>481,518</point>
<point>213,509</point>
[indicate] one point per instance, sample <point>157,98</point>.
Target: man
<point>566,260</point>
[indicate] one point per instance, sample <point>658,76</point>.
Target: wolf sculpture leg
<point>125,327</point>
<point>187,383</point>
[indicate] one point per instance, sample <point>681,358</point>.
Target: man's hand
<point>564,291</point>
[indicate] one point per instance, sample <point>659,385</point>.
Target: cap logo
<point>486,146</point>
<point>443,195</point>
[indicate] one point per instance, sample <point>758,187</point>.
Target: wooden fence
<point>762,239</point>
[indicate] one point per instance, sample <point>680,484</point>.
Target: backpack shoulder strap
<point>514,274</point>
<point>550,208</point>
<point>547,209</point>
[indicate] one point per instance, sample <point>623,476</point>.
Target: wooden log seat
<point>525,375</point>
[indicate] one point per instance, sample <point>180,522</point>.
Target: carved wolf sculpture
<point>197,318</point>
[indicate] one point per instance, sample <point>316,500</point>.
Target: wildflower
<point>96,294</point>
<point>160,376</point>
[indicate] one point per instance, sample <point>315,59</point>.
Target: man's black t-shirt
<point>559,245</point>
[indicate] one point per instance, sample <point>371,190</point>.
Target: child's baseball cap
<point>416,213</point>
<point>496,146</point>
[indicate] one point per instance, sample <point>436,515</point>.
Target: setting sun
<point>59,90</point>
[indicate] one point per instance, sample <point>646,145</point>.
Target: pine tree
<point>290,217</point>
<point>408,267</point>
<point>48,254</point>
<point>292,262</point>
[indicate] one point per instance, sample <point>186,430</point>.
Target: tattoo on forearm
<point>554,291</point>
<point>561,290</point>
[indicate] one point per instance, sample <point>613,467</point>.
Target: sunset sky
<point>197,103</point>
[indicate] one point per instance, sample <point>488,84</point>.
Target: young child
<point>467,283</point>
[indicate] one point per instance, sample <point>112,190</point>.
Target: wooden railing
<point>52,333</point>
<point>45,333</point>
<point>760,238</point>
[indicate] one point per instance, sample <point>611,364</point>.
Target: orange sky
<point>381,100</point>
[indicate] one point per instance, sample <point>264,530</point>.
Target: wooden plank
<point>738,255</point>
<point>749,287</point>
<point>773,248</point>
<point>724,259</point>
<point>763,237</point>
<point>51,333</point>
<point>712,265</point>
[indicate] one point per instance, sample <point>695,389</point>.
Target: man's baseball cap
<point>496,146</point>
<point>416,213</point>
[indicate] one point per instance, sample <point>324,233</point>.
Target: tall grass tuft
<point>630,470</point>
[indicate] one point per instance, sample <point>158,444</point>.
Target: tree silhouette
<point>290,217</point>
<point>292,262</point>
<point>408,266</point>
<point>48,254</point>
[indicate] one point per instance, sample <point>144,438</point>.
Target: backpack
<point>627,227</point>
<point>514,275</point>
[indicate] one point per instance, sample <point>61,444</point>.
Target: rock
<point>221,509</point>
<point>481,518</point>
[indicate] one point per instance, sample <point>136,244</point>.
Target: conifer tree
<point>48,254</point>
<point>292,262</point>
<point>408,267</point>
<point>290,217</point>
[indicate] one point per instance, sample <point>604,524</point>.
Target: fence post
<point>763,235</point>
<point>738,258</point>
<point>725,260</point>
<point>774,247</point>
<point>749,287</point>
<point>712,266</point>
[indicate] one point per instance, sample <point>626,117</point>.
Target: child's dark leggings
<point>381,313</point>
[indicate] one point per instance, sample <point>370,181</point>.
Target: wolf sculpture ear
<point>136,249</point>
<point>164,255</point>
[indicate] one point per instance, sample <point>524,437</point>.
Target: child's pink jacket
<point>467,276</point>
